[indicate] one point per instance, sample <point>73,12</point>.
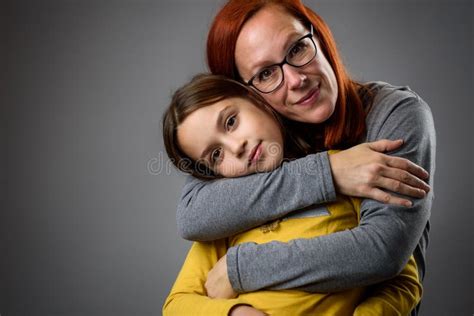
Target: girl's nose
<point>237,146</point>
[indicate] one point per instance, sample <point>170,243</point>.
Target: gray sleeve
<point>376,250</point>
<point>210,210</point>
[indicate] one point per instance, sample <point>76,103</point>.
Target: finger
<point>208,292</point>
<point>400,188</point>
<point>405,164</point>
<point>406,178</point>
<point>387,198</point>
<point>385,145</point>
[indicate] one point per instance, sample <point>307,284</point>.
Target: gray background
<point>88,199</point>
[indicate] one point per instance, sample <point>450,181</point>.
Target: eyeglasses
<point>301,53</point>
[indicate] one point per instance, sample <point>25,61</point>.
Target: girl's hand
<point>244,310</point>
<point>218,283</point>
<point>364,171</point>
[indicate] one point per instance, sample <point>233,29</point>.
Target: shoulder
<point>387,96</point>
<point>395,106</point>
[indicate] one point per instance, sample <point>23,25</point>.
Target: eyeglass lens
<point>300,54</point>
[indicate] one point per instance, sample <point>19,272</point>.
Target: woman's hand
<point>244,310</point>
<point>218,283</point>
<point>364,171</point>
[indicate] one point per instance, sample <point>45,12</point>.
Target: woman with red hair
<point>286,52</point>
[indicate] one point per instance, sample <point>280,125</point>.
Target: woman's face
<point>233,137</point>
<point>307,94</point>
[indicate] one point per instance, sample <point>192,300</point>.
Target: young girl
<point>216,127</point>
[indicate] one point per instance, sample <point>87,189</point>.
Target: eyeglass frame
<point>285,61</point>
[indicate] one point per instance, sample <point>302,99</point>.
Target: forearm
<point>217,209</point>
<point>373,252</point>
<point>397,296</point>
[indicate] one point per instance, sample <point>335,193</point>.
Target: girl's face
<point>233,137</point>
<point>307,94</point>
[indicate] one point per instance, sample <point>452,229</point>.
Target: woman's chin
<point>318,114</point>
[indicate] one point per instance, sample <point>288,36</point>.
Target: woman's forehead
<point>265,36</point>
<point>271,21</point>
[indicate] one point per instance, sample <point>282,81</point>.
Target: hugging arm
<point>210,210</point>
<point>216,209</point>
<point>377,249</point>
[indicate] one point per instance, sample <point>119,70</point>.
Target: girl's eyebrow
<point>222,115</point>
<point>219,122</point>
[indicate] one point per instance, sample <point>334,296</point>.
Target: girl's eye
<point>215,155</point>
<point>230,122</point>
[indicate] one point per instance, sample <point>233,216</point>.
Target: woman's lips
<point>309,98</point>
<point>255,153</point>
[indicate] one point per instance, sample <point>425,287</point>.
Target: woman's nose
<point>294,78</point>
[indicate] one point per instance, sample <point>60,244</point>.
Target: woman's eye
<point>298,49</point>
<point>215,155</point>
<point>265,74</point>
<point>230,122</point>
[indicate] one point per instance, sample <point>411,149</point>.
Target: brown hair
<point>203,90</point>
<point>346,126</point>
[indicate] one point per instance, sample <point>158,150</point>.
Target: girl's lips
<point>309,98</point>
<point>255,153</point>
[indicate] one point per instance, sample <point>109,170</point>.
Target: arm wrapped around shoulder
<point>210,210</point>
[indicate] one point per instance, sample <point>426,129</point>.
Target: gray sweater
<point>376,250</point>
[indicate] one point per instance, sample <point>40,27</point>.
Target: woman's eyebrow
<point>291,39</point>
<point>219,122</point>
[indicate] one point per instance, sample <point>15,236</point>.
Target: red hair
<point>346,126</point>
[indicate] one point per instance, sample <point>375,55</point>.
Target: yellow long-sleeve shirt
<point>397,296</point>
